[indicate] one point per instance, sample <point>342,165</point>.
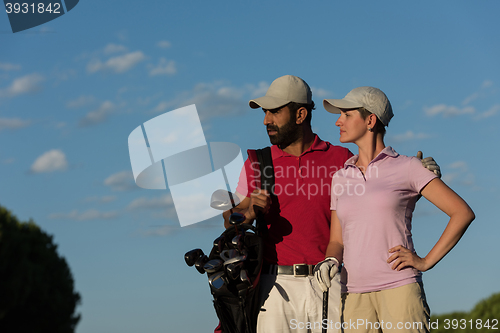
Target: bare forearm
<point>455,229</point>
<point>335,249</point>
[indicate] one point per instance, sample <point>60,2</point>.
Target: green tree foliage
<point>36,286</point>
<point>484,317</point>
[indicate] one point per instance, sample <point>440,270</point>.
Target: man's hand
<point>430,164</point>
<point>261,199</point>
<point>325,271</point>
<point>402,257</point>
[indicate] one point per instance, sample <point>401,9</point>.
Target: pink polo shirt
<point>299,219</point>
<point>375,211</point>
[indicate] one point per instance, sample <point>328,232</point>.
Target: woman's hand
<point>402,257</point>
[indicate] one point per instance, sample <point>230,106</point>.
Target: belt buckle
<point>296,267</point>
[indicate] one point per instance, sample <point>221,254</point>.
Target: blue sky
<point>72,90</point>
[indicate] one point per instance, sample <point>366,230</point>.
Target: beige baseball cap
<point>282,91</point>
<point>370,98</point>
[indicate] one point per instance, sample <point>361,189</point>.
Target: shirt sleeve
<point>333,196</point>
<point>418,175</point>
<point>248,180</point>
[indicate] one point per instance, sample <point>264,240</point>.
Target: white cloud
<point>456,169</point>
<point>160,231</point>
<point>23,85</point>
<point>448,178</point>
<point>121,181</point>
<point>53,160</point>
<point>97,116</point>
<point>480,94</point>
<point>458,165</point>
<point>161,107</point>
<point>13,123</point>
<point>80,102</point>
<point>60,125</point>
<point>90,214</point>
<point>320,93</point>
<point>114,48</point>
<point>216,98</point>
<point>122,35</point>
<point>5,66</point>
<point>164,67</point>
<point>486,84</point>
<point>212,99</point>
<point>471,98</point>
<point>164,44</point>
<point>160,207</point>
<point>448,110</point>
<point>162,202</point>
<point>258,90</point>
<point>119,64</point>
<point>458,172</point>
<point>409,135</point>
<point>103,199</point>
<point>489,113</point>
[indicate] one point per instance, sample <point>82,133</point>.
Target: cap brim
<point>267,102</point>
<point>334,105</point>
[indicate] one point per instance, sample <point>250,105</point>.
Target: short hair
<point>379,127</point>
<point>293,107</point>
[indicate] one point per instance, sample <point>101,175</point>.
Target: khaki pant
<point>295,304</point>
<point>401,309</point>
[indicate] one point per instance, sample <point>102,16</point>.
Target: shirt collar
<point>317,144</point>
<point>386,152</point>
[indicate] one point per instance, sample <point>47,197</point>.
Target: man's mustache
<point>272,128</point>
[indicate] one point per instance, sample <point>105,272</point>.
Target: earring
<point>370,129</point>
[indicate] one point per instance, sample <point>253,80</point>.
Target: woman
<point>372,201</point>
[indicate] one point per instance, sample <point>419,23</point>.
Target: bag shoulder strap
<point>266,169</point>
<point>264,158</point>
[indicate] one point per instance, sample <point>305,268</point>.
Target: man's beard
<point>286,134</point>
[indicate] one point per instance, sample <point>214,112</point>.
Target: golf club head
<point>236,219</point>
<point>213,266</point>
<point>229,254</point>
<point>193,255</point>
<point>233,270</point>
<point>237,241</point>
<point>216,281</point>
<point>200,263</point>
<point>218,243</point>
<point>244,277</point>
<point>223,200</point>
<point>242,257</point>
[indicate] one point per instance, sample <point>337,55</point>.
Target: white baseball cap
<point>282,91</point>
<point>370,98</point>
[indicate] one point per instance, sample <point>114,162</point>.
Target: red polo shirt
<point>299,219</point>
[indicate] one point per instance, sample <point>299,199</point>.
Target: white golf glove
<point>325,271</point>
<point>430,164</point>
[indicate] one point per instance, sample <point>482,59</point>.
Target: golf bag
<point>235,261</point>
<point>236,296</point>
<point>236,300</point>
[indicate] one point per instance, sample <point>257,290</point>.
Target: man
<point>297,216</point>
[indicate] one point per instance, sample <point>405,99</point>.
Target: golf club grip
<point>259,211</point>
<point>325,312</point>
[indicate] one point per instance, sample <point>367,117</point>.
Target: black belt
<point>296,270</point>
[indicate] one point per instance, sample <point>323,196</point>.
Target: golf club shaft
<point>325,312</point>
